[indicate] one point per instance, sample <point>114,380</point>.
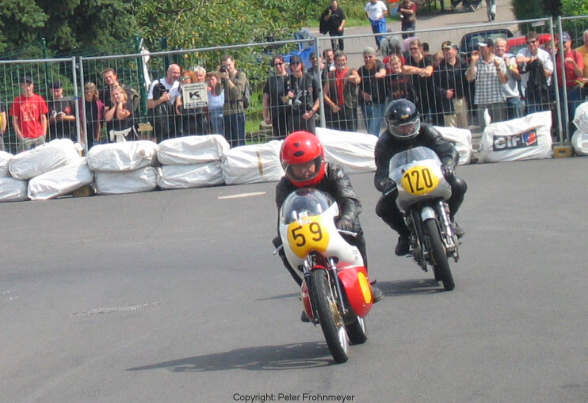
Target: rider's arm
<point>344,193</point>
<point>382,160</point>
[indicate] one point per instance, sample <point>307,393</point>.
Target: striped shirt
<point>489,89</point>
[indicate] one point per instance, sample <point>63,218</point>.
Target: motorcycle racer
<point>303,158</point>
<point>404,131</point>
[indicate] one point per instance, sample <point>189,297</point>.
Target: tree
<point>66,25</point>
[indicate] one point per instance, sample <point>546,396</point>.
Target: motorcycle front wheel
<point>329,315</point>
<point>439,256</point>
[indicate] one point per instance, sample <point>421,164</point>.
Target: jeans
<point>378,27</point>
<point>514,108</point>
<point>216,122</point>
<point>374,115</point>
<point>235,129</point>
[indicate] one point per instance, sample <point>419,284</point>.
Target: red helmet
<point>303,159</point>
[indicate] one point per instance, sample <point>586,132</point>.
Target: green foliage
<point>66,25</point>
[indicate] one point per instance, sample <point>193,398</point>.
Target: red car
<point>513,45</point>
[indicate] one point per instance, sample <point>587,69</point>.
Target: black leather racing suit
<point>337,184</point>
<point>388,146</point>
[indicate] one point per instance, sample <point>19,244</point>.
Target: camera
<point>223,69</point>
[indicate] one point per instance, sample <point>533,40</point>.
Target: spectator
<point>514,105</point>
<point>407,12</point>
<point>274,105</point>
<point>451,87</point>
<point>489,71</point>
<point>573,70</point>
<point>111,80</point>
<point>302,98</point>
<point>398,84</point>
<point>372,91</point>
<point>3,126</point>
<point>420,68</point>
<point>160,102</point>
<point>120,122</point>
<point>329,56</point>
<point>318,73</point>
<point>536,68</point>
<point>376,12</point>
<point>234,82</point>
<point>62,115</point>
<point>341,96</point>
<point>194,120</point>
<point>29,116</point>
<point>216,101</point>
<point>584,52</point>
<point>93,114</point>
<point>333,22</point>
<point>465,4</point>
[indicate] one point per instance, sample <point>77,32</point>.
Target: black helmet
<point>402,119</point>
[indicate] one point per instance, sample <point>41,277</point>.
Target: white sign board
<point>194,95</point>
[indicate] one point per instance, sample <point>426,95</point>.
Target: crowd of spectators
<point>447,89</point>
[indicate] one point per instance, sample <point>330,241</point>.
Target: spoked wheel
<point>441,265</point>
<point>357,331</point>
<point>330,318</point>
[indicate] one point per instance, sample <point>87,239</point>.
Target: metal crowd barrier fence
<point>138,71</point>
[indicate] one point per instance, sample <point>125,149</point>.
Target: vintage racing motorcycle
<point>336,291</point>
<point>422,195</point>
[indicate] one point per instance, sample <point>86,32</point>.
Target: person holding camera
<point>233,82</point>
<point>301,98</point>
<point>333,23</point>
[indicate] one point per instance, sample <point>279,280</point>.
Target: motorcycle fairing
<point>356,284</point>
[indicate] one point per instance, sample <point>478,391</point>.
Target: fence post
<point>555,83</point>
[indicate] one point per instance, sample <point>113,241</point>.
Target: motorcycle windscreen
<point>304,202</point>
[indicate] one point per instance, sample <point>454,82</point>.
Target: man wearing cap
<point>62,115</point>
<point>319,72</point>
<point>536,68</point>
<point>29,116</point>
<point>372,91</point>
<point>573,69</point>
<point>452,87</point>
<point>333,22</point>
<point>489,71</point>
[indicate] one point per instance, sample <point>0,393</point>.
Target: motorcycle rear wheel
<point>357,331</point>
<point>439,256</point>
<point>329,315</point>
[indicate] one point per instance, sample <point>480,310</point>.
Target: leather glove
<point>389,187</point>
<point>448,168</point>
<point>344,224</point>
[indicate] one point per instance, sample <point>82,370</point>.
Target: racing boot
<point>403,245</point>
<point>457,230</point>
<point>304,317</point>
<point>377,294</point>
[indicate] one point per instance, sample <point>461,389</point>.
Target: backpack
<point>246,93</point>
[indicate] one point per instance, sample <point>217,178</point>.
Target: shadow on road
<point>410,287</point>
<point>263,358</point>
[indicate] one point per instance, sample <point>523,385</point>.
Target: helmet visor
<point>406,130</point>
<point>305,171</point>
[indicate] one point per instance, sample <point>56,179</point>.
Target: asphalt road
<point>175,296</point>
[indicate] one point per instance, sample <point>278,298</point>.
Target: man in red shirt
<point>29,116</point>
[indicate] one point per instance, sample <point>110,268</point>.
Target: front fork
<point>309,266</point>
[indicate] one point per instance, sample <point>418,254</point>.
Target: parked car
<point>469,42</point>
<point>513,45</point>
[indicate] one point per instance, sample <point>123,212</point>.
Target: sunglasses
<point>279,64</point>
<point>531,41</point>
<point>294,63</point>
<point>413,48</point>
